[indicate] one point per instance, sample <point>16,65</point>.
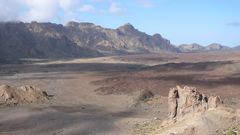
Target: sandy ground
<point>77,109</point>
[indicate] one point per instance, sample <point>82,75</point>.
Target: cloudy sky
<point>181,21</point>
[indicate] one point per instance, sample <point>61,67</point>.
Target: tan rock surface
<point>24,94</point>
<point>182,101</point>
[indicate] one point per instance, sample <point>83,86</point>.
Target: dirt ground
<point>98,96</point>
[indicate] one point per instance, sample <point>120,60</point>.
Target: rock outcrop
<point>187,100</point>
<point>145,94</point>
<point>24,94</point>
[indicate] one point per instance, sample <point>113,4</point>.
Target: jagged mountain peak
<point>127,25</point>
<point>127,28</point>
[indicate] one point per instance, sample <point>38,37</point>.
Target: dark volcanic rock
<point>145,94</point>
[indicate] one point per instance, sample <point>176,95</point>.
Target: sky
<point>180,21</point>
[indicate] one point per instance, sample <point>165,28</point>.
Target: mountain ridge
<point>194,47</point>
<point>85,39</point>
<point>50,40</point>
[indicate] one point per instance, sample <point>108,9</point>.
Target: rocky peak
<point>157,35</point>
<point>127,28</point>
<point>187,100</point>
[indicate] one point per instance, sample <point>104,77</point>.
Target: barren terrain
<point>100,95</point>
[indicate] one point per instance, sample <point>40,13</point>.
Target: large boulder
<point>186,100</point>
<point>24,94</point>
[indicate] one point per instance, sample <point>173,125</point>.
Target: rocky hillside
<point>199,48</point>
<point>49,40</point>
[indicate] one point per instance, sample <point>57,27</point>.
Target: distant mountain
<point>199,48</point>
<point>49,40</point>
<point>191,48</point>
<point>237,47</point>
<point>216,47</point>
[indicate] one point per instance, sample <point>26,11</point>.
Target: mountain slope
<point>123,39</point>
<point>49,40</point>
<point>46,40</point>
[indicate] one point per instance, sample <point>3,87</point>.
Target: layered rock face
<point>24,94</point>
<point>182,101</point>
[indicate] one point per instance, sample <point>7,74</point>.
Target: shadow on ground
<point>105,68</point>
<point>71,120</point>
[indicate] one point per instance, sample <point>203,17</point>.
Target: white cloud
<point>87,8</point>
<point>54,10</point>
<point>8,12</point>
<point>67,4</point>
<point>115,8</point>
<point>40,10</point>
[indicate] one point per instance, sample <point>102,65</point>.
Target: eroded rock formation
<point>182,101</point>
<point>24,94</point>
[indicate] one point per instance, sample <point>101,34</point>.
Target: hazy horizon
<point>182,22</point>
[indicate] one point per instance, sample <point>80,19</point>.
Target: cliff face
<point>49,40</point>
